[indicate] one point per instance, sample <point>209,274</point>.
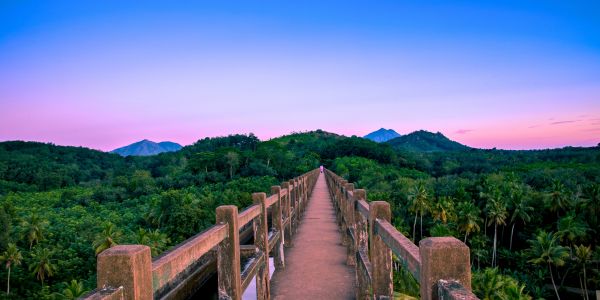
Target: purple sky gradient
<point>102,78</point>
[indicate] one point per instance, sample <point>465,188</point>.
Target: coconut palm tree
<point>419,198</point>
<point>443,209</point>
<point>158,241</point>
<point>583,254</point>
<point>591,197</point>
<point>468,218</point>
<point>521,212</point>
<point>34,229</point>
<point>557,197</point>
<point>11,257</point>
<point>546,250</point>
<point>497,214</point>
<point>42,266</point>
<point>107,238</point>
<point>73,290</point>
<point>571,228</point>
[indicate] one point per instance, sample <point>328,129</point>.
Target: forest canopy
<point>530,218</point>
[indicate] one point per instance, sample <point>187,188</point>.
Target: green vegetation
<point>533,215</point>
<point>530,218</point>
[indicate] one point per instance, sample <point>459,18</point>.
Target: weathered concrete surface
<point>129,266</point>
<point>443,258</point>
<point>316,264</point>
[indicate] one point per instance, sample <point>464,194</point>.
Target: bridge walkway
<point>316,263</point>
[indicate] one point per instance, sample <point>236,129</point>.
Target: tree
<point>591,197</point>
<point>583,254</point>
<point>34,229</point>
<point>5,228</point>
<point>468,218</point>
<point>490,284</point>
<point>496,213</point>
<point>202,161</point>
<point>73,290</point>
<point>571,228</point>
<point>419,198</point>
<point>107,238</point>
<point>42,266</point>
<point>521,212</point>
<point>557,197</point>
<point>233,160</point>
<point>443,209</point>
<point>545,250</point>
<point>156,240</point>
<point>11,257</point>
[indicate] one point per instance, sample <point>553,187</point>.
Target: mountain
<point>146,147</point>
<point>425,141</point>
<point>382,135</point>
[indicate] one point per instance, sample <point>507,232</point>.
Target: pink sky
<point>106,77</point>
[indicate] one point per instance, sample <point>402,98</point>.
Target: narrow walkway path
<point>315,267</point>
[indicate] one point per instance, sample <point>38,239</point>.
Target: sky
<point>104,74</point>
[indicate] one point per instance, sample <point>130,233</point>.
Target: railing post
<point>380,253</point>
<point>341,203</point>
<point>300,198</point>
<point>294,205</point>
<point>261,240</point>
<point>129,266</point>
<point>278,255</point>
<point>344,211</point>
<point>287,232</point>
<point>443,258</point>
<point>305,193</point>
<point>361,245</point>
<point>228,255</point>
<point>349,207</point>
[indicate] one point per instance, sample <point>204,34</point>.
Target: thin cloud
<point>534,126</point>
<point>463,131</point>
<point>564,122</point>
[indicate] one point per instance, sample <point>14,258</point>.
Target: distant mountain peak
<point>426,141</point>
<point>146,147</point>
<point>382,135</point>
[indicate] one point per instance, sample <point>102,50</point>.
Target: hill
<point>382,135</point>
<point>425,141</point>
<point>146,147</point>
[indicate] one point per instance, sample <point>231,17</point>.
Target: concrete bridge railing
<point>441,265</point>
<point>128,271</point>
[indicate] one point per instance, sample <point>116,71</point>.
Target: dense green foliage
<point>59,206</point>
<point>533,215</point>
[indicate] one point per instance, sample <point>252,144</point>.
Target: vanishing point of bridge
<point>326,242</point>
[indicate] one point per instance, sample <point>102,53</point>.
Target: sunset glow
<point>512,76</point>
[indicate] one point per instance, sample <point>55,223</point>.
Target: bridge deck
<point>316,263</point>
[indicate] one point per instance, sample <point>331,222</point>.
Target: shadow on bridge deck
<point>315,266</point>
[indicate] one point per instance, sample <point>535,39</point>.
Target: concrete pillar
<point>443,258</point>
<point>228,255</point>
<point>380,253</point>
<point>278,255</point>
<point>129,266</point>
<point>261,241</point>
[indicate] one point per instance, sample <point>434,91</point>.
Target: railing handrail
<point>440,265</point>
<point>129,272</point>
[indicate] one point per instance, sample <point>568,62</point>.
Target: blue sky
<point>510,74</point>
